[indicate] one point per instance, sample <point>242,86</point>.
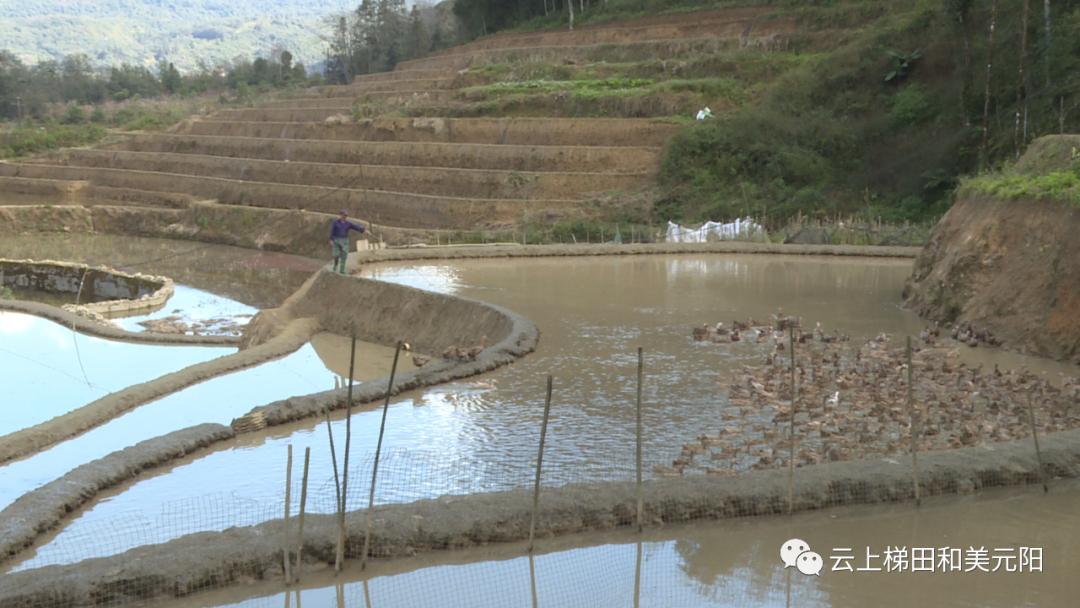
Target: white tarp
<point>713,231</point>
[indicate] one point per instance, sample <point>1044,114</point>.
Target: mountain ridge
<point>184,32</point>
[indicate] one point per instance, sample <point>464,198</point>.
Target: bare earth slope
<point>1006,266</point>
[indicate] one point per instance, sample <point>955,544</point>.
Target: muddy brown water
<point>480,435</point>
<point>733,564</point>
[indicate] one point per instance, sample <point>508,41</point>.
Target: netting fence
<point>821,423</point>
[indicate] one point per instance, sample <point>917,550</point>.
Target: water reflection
<point>156,509</point>
<point>480,435</point>
<point>733,564</point>
<point>47,369</point>
<point>216,314</point>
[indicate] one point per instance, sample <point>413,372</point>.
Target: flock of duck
<point>852,401</point>
<point>451,353</point>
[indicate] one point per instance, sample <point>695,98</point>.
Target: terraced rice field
<point>488,135</point>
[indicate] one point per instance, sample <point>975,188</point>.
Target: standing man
<point>339,239</point>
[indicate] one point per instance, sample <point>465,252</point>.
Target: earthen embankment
<point>189,564</point>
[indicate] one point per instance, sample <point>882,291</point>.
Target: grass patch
<point>1060,185</point>
<point>27,139</point>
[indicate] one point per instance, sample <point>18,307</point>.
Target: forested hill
<point>111,32</point>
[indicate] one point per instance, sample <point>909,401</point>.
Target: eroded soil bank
<point>1007,267</point>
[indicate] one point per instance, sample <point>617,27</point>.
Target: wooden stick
<point>637,577</point>
<point>1035,437</point>
<point>791,432</point>
<point>532,581</point>
<point>288,500</point>
<point>539,466</point>
<point>914,429</point>
<point>303,508</point>
<point>378,452</point>
<point>344,496</point>
<point>640,494</point>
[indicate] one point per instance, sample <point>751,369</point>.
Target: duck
<point>700,333</point>
<point>474,352</point>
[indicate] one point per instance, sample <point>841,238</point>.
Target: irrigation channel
<point>477,435</point>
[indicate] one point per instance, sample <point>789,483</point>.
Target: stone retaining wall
<point>99,290</point>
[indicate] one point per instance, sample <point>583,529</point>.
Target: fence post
<point>637,576</point>
<point>303,509</point>
<point>539,465</point>
<point>1035,438</point>
<point>344,496</point>
<point>378,451</point>
<point>532,580</point>
<point>288,499</point>
<point>337,480</point>
<point>915,431</point>
<point>791,431</point>
<point>640,494</point>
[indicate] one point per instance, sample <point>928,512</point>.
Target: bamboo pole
<point>343,497</point>
<point>791,431</point>
<point>637,576</point>
<point>1035,438</point>
<point>539,465</point>
<point>288,500</point>
<point>378,452</point>
<point>914,425</point>
<point>337,481</point>
<point>640,494</point>
<point>532,581</point>
<point>303,510</point>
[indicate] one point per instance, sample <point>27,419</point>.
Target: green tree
<point>418,42</point>
<point>170,77</point>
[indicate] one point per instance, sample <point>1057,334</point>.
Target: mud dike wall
<point>378,312</point>
<point>204,561</point>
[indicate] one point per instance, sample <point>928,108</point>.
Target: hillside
<point>848,108</point>
<point>1003,259</point>
<point>185,32</point>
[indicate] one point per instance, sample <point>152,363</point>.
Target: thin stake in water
<point>791,432</point>
<point>1035,438</point>
<point>640,494</point>
<point>343,495</point>
<point>915,431</point>
<point>288,499</point>
<point>378,451</point>
<point>303,509</point>
<point>539,465</point>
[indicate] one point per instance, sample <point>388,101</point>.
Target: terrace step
<point>31,191</point>
<point>400,74</point>
<point>503,131</point>
<point>736,22</point>
<point>345,103</point>
<point>595,53</point>
<point>613,159</point>
<point>389,208</point>
<point>356,88</point>
<point>469,183</point>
